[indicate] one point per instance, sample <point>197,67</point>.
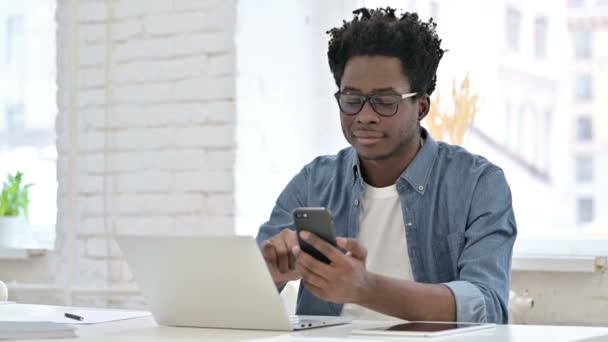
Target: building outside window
<point>513,29</point>
<point>582,43</point>
<point>584,168</point>
<point>576,3</point>
<point>585,210</point>
<point>584,129</point>
<point>540,37</point>
<point>15,43</point>
<point>583,88</point>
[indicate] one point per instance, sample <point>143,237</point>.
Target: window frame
<point>513,23</point>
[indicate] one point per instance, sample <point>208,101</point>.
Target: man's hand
<point>279,257</point>
<point>344,279</point>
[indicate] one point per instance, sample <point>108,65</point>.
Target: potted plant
<point>14,204</point>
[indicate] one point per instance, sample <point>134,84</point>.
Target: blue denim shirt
<point>459,223</point>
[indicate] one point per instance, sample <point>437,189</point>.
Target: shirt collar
<point>417,173</point>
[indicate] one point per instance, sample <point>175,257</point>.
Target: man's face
<point>377,137</point>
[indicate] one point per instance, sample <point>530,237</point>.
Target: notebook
<point>34,330</point>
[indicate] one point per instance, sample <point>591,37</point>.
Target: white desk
<point>145,329</point>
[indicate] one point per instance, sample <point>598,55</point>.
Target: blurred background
<point>189,117</point>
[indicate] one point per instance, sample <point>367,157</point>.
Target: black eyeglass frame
<point>373,102</point>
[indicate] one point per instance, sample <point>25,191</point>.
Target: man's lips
<point>368,134</point>
<point>367,137</point>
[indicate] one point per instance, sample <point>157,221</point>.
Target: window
<point>583,88</point>
<point>15,117</point>
<point>508,122</point>
<point>513,28</point>
<point>520,132</point>
<point>584,129</point>
<point>540,37</point>
<point>601,3</point>
<point>584,210</point>
<point>14,39</point>
<point>584,168</point>
<point>582,43</point>
<point>531,143</point>
<point>546,133</point>
<point>28,105</point>
<point>434,10</point>
<point>576,3</point>
<point>411,5</point>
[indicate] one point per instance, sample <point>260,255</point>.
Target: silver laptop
<point>210,282</point>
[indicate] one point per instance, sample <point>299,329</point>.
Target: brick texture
<point>154,131</point>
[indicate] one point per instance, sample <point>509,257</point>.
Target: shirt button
<point>421,188</point>
<point>356,203</point>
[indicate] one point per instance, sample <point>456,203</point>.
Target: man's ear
<point>424,105</point>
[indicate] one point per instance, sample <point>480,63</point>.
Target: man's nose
<point>367,114</point>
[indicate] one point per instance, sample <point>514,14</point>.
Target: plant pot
<point>14,231</point>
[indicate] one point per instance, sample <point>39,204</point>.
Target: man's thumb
<point>353,247</point>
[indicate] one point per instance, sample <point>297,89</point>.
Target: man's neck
<point>383,173</point>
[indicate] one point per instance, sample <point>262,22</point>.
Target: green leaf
<point>14,198</point>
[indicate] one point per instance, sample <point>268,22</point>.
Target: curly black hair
<point>379,32</point>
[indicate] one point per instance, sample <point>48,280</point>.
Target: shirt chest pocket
<point>447,250</point>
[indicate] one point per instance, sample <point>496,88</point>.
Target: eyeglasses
<point>385,105</point>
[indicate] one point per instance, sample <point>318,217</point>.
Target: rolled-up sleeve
<point>293,196</point>
<point>482,288</point>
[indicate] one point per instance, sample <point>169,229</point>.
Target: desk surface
<point>146,329</point>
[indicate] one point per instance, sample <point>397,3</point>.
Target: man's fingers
<point>317,291</point>
<point>314,266</point>
<point>291,238</point>
<point>353,246</point>
<point>314,279</point>
<point>279,259</point>
<point>269,253</point>
<point>322,246</point>
<point>291,275</point>
<point>292,260</point>
<point>308,275</point>
<point>282,255</point>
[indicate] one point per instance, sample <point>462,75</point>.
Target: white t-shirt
<point>382,232</point>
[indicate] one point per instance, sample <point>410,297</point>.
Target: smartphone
<point>317,221</point>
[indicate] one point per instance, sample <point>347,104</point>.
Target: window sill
<point>40,240</point>
<point>561,247</point>
<point>552,263</point>
<point>43,288</point>
<point>21,253</point>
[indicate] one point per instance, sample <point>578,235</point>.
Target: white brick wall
<point>287,115</point>
<point>154,132</point>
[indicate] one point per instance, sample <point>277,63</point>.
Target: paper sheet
<point>97,316</point>
<point>37,313</point>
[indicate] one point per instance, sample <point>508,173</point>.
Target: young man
<point>428,228</point>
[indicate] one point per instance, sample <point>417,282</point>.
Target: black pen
<point>72,316</point>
